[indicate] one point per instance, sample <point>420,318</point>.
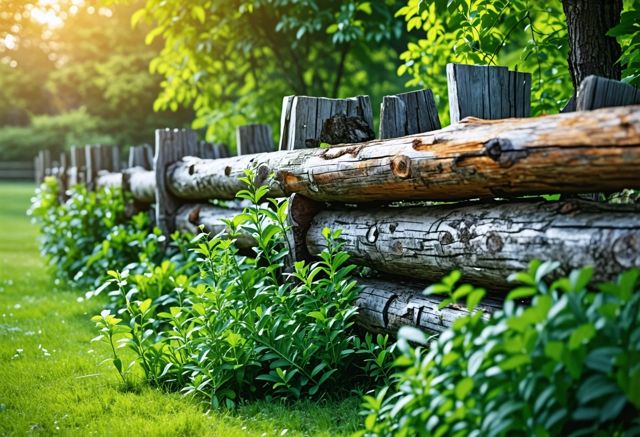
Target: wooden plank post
<point>141,156</point>
<point>63,177</point>
<point>116,163</point>
<point>78,166</point>
<point>171,146</point>
<point>91,159</point>
<point>254,138</point>
<point>46,163</point>
<point>407,114</point>
<point>303,118</point>
<point>487,92</point>
<point>599,92</point>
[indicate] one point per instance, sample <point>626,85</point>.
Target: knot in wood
<point>502,151</point>
<point>494,242</point>
<point>194,215</point>
<point>445,238</point>
<point>372,234</point>
<point>397,247</point>
<point>401,166</point>
<point>626,251</point>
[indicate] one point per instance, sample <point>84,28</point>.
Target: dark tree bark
<point>591,50</point>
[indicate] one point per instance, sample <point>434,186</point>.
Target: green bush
<point>90,233</point>
<point>53,132</point>
<point>245,328</point>
<point>568,364</point>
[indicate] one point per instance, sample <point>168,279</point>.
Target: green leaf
<point>521,292</point>
<point>582,334</point>
<point>463,388</point>
<point>515,362</point>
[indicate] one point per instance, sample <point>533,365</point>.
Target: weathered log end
<point>300,214</point>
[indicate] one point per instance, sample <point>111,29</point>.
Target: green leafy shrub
<point>568,364</point>
<point>89,233</point>
<point>244,327</point>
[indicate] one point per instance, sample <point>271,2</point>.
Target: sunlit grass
<point>52,380</point>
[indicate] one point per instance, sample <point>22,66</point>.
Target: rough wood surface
<point>140,183</point>
<point>571,153</point>
<point>202,217</point>
<point>300,213</point>
<point>302,118</point>
<point>408,113</point>
<point>141,156</point>
<point>385,306</point>
<point>171,146</point>
<point>254,138</point>
<point>486,241</point>
<point>78,164</point>
<point>92,158</point>
<point>487,92</point>
<point>599,92</point>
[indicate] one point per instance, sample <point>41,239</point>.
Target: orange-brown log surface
<point>570,153</point>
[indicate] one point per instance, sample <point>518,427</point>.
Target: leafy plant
<point>568,364</point>
<point>250,327</point>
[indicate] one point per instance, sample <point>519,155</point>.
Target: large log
<point>487,242</point>
<point>386,306</point>
<point>196,218</point>
<point>141,183</point>
<point>570,153</point>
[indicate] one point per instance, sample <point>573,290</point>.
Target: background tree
<point>234,60</point>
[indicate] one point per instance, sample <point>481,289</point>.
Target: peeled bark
<point>385,307</point>
<point>487,242</point>
<point>569,153</point>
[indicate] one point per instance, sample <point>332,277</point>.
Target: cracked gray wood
<point>302,118</point>
<point>599,92</point>
<point>386,305</point>
<point>254,138</point>
<point>487,92</point>
<point>569,153</point>
<point>408,113</point>
<point>486,241</point>
<point>196,218</point>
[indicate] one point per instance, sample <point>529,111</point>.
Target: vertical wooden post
<point>408,113</point>
<point>254,138</point>
<point>63,177</point>
<point>599,92</point>
<point>300,213</point>
<point>171,146</point>
<point>303,117</point>
<point>487,92</point>
<point>46,163</point>
<point>78,166</point>
<point>92,160</point>
<point>116,163</point>
<point>141,156</point>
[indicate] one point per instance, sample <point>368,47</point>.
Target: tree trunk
<point>570,153</point>
<point>486,242</point>
<point>591,51</point>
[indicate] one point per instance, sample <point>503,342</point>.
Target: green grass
<point>52,380</point>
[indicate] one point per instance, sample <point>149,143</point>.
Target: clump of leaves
<point>568,364</point>
<point>245,327</point>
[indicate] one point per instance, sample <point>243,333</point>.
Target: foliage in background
<point>568,364</point>
<point>82,66</point>
<point>628,35</point>
<point>234,61</point>
<point>244,328</point>
<point>52,133</point>
<point>528,35</point>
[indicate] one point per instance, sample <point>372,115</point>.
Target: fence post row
<point>485,240</point>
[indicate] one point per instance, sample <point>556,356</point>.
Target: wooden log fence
<point>379,192</point>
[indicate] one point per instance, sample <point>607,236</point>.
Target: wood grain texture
<point>302,118</point>
<point>408,113</point>
<point>599,92</point>
<point>254,138</point>
<point>386,305</point>
<point>141,156</point>
<point>486,241</point>
<point>171,146</point>
<point>570,153</point>
<point>487,92</point>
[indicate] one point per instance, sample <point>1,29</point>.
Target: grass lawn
<point>52,380</point>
